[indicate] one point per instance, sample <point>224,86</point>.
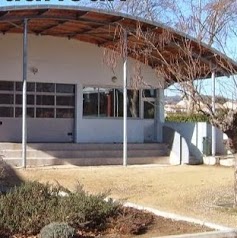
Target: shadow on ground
<point>8,177</point>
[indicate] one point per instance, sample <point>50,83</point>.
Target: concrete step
<point>45,161</point>
<point>74,146</point>
<point>84,153</point>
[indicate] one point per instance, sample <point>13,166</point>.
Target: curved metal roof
<point>98,27</point>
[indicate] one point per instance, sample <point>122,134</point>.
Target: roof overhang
<point>99,27</point>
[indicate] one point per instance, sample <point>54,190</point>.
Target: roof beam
<point>50,27</point>
<point>74,34</point>
<point>31,17</point>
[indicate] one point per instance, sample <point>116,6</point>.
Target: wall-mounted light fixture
<point>34,70</point>
<point>114,79</point>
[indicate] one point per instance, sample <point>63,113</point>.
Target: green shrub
<point>187,118</point>
<point>57,230</point>
<point>31,206</point>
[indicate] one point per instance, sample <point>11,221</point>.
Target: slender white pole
<point>24,126</point>
<point>125,100</point>
<point>213,77</point>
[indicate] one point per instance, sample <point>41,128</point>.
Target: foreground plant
<point>34,208</point>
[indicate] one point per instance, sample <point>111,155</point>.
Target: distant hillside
<point>172,99</point>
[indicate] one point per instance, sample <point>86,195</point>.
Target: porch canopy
<point>99,27</point>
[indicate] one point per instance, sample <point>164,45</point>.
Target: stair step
<point>85,154</point>
<point>31,161</point>
<point>74,146</point>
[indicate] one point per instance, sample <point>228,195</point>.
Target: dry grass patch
<point>187,190</point>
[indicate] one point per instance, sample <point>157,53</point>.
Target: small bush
<point>187,118</point>
<point>28,208</point>
<point>57,230</point>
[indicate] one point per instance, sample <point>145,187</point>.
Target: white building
<point>72,96</point>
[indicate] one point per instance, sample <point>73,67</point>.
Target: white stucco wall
<point>194,134</point>
<point>60,60</point>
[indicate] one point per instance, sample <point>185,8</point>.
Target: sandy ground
<point>195,191</point>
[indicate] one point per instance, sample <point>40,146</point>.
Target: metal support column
<point>24,89</point>
<point>125,100</point>
<point>213,78</point>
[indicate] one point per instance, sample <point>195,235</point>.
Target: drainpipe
<point>24,95</point>
<point>125,100</point>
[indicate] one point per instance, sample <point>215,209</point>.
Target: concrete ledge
<point>227,162</point>
<point>181,218</point>
<point>211,160</point>
<point>214,234</point>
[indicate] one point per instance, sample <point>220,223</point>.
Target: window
<point>30,99</point>
<point>30,112</point>
<point>149,110</point>
<point>45,87</point>
<point>6,111</point>
<point>65,101</point>
<point>6,86</point>
<point>108,102</point>
<point>90,101</point>
<point>65,113</point>
<point>6,98</point>
<point>149,100</point>
<point>45,112</point>
<point>65,88</point>
<point>44,100</point>
<point>133,103</point>
<point>30,87</point>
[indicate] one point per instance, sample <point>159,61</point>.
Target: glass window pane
<point>6,111</point>
<point>149,93</point>
<point>45,87</point>
<point>6,86</point>
<point>30,87</point>
<point>133,103</point>
<point>65,101</point>
<point>6,98</point>
<point>30,112</point>
<point>45,112</point>
<point>106,100</point>
<point>149,110</point>
<point>118,103</point>
<point>65,88</point>
<point>90,101</point>
<point>30,99</point>
<point>65,113</point>
<point>44,100</point>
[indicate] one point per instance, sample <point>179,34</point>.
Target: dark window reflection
<point>44,100</point>
<point>45,112</point>
<point>45,87</point>
<point>65,88</point>
<point>6,111</point>
<point>6,98</point>
<point>133,103</point>
<point>149,110</point>
<point>90,101</point>
<point>65,113</point>
<point>65,101</point>
<point>30,87</point>
<point>30,112</point>
<point>6,86</point>
<point>149,93</point>
<point>30,99</point>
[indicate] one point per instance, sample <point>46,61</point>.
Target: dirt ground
<point>196,191</point>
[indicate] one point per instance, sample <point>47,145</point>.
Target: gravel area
<point>201,192</point>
